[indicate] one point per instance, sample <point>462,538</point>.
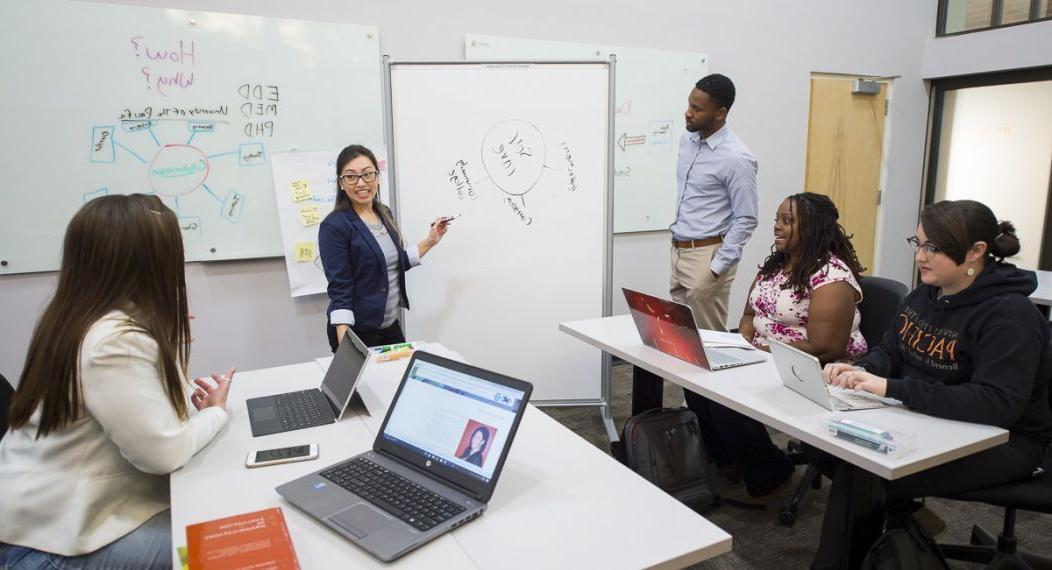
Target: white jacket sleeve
<point>123,392</point>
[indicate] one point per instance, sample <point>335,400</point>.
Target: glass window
<point>1014,11</point>
<point>970,15</point>
<point>963,15</point>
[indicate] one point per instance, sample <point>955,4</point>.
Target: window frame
<point>996,15</point>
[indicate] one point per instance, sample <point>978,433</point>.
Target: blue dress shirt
<point>716,193</point>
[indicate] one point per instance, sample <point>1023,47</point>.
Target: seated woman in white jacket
<point>102,412</point>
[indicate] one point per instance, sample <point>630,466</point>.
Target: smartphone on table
<point>264,457</point>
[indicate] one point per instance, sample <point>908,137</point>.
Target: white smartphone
<point>264,457</point>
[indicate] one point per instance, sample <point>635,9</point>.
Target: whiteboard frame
<point>604,399</point>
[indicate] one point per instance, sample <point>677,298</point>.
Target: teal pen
<point>399,346</point>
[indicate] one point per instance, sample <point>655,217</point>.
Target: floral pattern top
<point>781,313</point>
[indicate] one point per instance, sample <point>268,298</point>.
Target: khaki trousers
<point>693,284</point>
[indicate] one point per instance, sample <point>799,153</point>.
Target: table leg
<point>866,520</point>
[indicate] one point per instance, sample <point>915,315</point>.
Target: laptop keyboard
<point>393,493</point>
<point>299,410</point>
<point>853,399</point>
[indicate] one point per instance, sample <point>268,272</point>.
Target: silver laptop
<point>670,327</point>
<point>316,406</point>
<point>802,373</point>
<point>433,465</point>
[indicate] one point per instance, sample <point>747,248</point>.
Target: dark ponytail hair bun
<point>1006,244</point>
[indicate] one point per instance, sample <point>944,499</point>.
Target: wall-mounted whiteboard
<point>101,99</point>
<point>521,153</point>
<point>305,191</point>
<point>652,87</point>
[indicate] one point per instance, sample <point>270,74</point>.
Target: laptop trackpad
<point>361,520</point>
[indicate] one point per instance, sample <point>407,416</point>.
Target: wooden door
<point>845,140</point>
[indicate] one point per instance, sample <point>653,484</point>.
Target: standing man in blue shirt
<point>716,209</point>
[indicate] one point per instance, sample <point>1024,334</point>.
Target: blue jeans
<point>149,546</point>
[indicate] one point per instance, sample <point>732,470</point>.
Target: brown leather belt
<point>692,243</point>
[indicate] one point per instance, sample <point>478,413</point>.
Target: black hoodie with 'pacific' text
<point>975,356</point>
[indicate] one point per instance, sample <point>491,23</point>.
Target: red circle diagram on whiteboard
<point>178,169</point>
<point>513,156</point>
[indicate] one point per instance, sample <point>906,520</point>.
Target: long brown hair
<point>821,236</point>
<point>120,252</point>
<point>343,202</point>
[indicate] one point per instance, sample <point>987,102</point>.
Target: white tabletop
<point>756,391</point>
<point>1043,294</point>
<point>560,502</point>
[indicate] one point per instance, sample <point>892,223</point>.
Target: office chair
<point>1031,494</point>
<point>6,391</point>
<point>880,298</point>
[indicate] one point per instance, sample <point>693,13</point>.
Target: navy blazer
<point>356,269</point>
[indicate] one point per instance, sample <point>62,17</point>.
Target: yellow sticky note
<point>300,190</point>
<point>304,251</point>
<point>310,215</point>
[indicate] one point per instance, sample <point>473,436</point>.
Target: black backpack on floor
<point>664,446</point>
<point>905,546</point>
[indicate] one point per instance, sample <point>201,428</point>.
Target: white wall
<point>1014,47</point>
<point>769,48</point>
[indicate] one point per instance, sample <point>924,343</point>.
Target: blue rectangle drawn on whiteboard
<point>233,206</point>
<point>251,154</point>
<point>136,126</point>
<point>660,136</point>
<point>190,227</point>
<point>201,126</point>
<point>102,145</point>
<point>89,196</point>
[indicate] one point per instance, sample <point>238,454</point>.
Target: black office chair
<point>6,391</point>
<point>880,298</point>
<point>1031,494</point>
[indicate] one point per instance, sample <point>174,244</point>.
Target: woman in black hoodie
<point>967,345</point>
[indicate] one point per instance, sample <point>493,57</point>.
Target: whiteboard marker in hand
<point>445,220</point>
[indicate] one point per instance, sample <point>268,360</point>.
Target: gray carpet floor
<point>758,541</point>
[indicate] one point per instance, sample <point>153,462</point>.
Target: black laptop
<point>316,406</point>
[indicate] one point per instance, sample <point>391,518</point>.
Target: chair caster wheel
<point>786,518</point>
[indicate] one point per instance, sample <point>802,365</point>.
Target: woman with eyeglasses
<point>363,254</point>
<point>967,345</point>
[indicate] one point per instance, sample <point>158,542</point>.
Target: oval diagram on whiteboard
<point>513,155</point>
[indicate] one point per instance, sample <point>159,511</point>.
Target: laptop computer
<point>670,327</point>
<point>433,465</point>
<point>316,406</point>
<point>802,373</point>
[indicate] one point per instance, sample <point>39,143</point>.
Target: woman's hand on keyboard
<point>855,379</point>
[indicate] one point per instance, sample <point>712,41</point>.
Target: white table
<point>756,391</point>
<point>560,502</point>
<point>1043,294</point>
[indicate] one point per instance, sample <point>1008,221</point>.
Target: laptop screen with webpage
<point>459,420</point>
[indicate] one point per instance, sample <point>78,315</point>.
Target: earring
<point>970,272</point>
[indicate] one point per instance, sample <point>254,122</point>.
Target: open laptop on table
<point>316,406</point>
<point>433,465</point>
<point>670,327</point>
<point>802,373</point>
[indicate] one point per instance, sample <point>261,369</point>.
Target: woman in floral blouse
<point>806,293</point>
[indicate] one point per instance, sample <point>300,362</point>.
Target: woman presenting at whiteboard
<point>363,255</point>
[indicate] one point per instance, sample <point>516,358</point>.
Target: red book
<point>258,540</point>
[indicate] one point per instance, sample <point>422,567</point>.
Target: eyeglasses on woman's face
<point>352,179</point>
<point>927,247</point>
